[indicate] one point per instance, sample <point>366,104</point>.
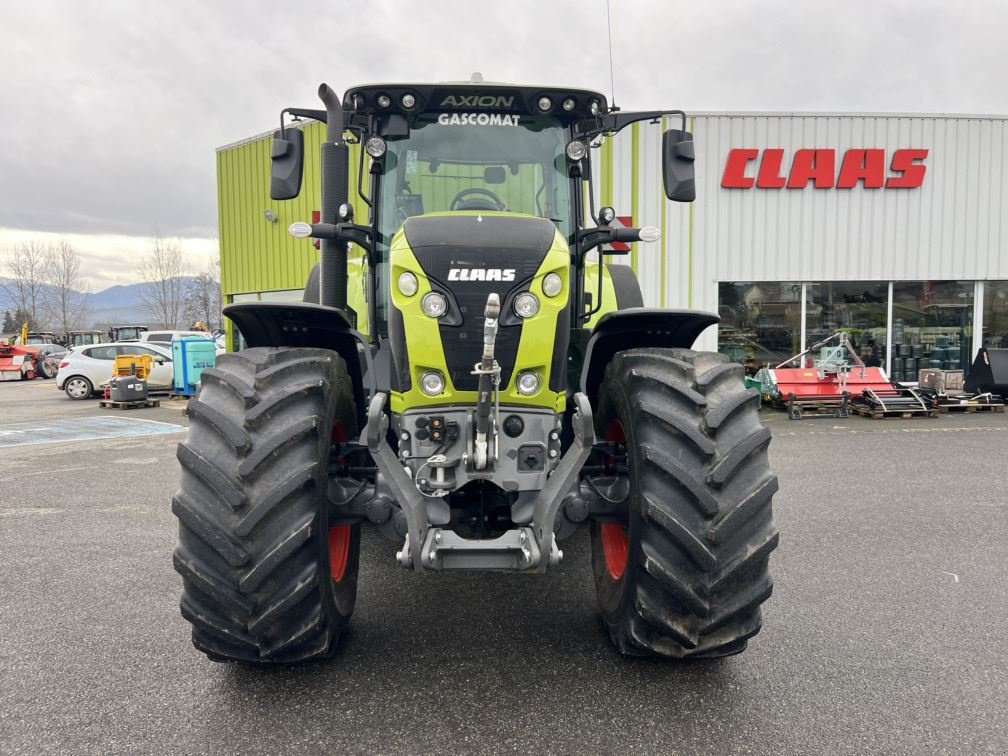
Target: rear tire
<point>686,574</point>
<point>262,580</point>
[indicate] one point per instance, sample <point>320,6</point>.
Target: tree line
<point>48,289</point>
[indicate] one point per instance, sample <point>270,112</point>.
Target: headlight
<point>408,283</point>
<point>528,383</point>
<point>649,234</point>
<point>434,304</point>
<point>384,101</point>
<point>569,104</point>
<point>552,284</point>
<point>576,150</point>
<point>526,304</point>
<point>408,101</point>
<point>545,103</point>
<point>375,146</point>
<point>432,383</point>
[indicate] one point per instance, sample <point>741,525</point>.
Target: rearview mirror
<point>494,174</point>
<point>287,155</point>
<point>677,165</point>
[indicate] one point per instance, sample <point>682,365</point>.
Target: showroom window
<point>859,308</point>
<point>760,322</point>
<point>995,314</point>
<point>932,326</point>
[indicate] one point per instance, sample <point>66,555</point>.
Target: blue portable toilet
<point>191,355</point>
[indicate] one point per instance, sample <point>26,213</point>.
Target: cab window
<point>101,353</point>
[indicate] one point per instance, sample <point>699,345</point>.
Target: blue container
<point>191,355</point>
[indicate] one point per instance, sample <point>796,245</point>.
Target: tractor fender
<point>303,324</point>
<point>636,328</point>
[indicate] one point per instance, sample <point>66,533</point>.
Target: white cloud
<point>110,259</point>
<point>113,109</point>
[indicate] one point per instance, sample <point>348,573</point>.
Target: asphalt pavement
<point>887,631</point>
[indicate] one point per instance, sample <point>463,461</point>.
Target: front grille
<point>442,243</point>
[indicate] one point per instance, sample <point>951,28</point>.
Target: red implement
<point>17,363</point>
<point>811,383</point>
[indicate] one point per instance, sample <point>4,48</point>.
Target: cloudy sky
<point>112,110</point>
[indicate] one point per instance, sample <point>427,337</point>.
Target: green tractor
<point>476,383</point>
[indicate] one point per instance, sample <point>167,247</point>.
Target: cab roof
<point>566,103</point>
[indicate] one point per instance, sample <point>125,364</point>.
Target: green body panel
<point>608,292</point>
<point>257,256</point>
<point>357,288</point>
<point>423,337</point>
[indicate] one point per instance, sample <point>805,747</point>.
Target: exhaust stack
<point>335,178</point>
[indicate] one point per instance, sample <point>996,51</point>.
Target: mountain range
<point>120,304</point>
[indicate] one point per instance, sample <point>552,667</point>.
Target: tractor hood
<point>469,257</point>
<point>466,256</point>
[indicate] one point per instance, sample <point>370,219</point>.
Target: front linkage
<point>426,546</point>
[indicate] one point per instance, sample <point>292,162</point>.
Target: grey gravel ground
<point>886,632</point>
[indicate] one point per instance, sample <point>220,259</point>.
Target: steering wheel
<point>490,202</point>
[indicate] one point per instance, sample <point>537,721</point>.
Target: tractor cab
<point>126,332</point>
<point>83,338</point>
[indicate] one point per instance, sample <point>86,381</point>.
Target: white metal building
<point>890,227</point>
<point>914,272</point>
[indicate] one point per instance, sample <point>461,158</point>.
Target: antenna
<point>612,78</point>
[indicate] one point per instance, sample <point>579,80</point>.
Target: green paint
<point>608,291</point>
<point>256,255</point>
<point>426,350</point>
<point>606,177</point>
<point>634,186</point>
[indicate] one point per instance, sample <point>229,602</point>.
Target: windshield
<point>476,161</point>
<point>472,161</point>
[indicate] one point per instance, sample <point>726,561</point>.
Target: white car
<point>85,370</point>
<point>167,337</point>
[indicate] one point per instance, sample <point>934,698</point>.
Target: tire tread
<point>699,565</point>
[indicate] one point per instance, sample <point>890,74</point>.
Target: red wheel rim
<point>616,547</point>
<point>615,539</point>
<point>339,551</point>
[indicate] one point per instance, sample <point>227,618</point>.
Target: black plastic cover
<point>989,372</point>
<point>638,328</point>
<point>678,173</point>
<point>287,155</point>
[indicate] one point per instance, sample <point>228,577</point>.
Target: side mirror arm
<point>346,232</point>
<point>590,238</point>
<point>610,123</point>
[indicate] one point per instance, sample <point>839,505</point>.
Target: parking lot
<point>886,631</point>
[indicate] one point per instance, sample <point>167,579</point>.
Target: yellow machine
<point>133,364</point>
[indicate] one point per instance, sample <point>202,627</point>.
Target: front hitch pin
<point>489,381</point>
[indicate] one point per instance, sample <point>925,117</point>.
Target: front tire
<point>684,575</point>
<point>264,577</point>
<point>78,387</point>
